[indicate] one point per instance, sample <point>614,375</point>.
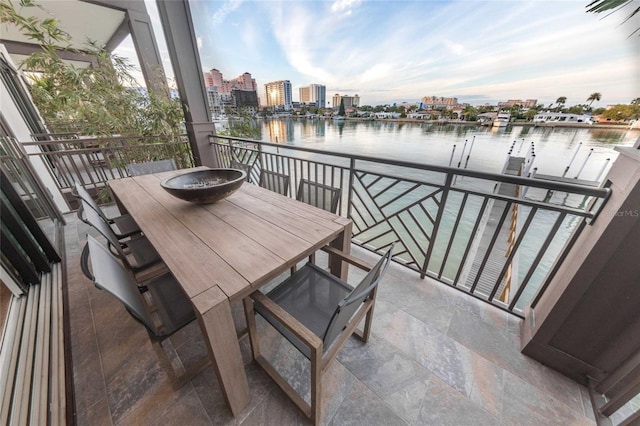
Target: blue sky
<point>395,51</point>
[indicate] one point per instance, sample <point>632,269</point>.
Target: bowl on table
<point>205,186</point>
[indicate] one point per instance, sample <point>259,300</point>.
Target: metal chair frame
<point>319,339</point>
<point>123,226</point>
<point>170,304</point>
<point>274,181</point>
<point>316,194</point>
<point>143,253</point>
<point>149,167</point>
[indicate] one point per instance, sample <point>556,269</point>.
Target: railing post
<point>436,225</point>
<point>352,166</point>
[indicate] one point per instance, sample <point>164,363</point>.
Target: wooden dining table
<point>222,252</point>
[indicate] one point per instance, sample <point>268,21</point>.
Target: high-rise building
<point>246,82</point>
<point>305,96</point>
<point>318,95</point>
<point>314,94</point>
<point>225,95</point>
<point>214,78</point>
<point>349,101</point>
<point>278,94</point>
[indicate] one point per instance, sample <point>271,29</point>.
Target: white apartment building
<point>314,94</point>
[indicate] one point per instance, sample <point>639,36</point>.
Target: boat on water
<point>561,117</point>
<point>338,117</point>
<point>502,119</point>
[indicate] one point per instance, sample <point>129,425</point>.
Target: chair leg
<point>368,320</point>
<point>250,316</point>
<point>316,386</point>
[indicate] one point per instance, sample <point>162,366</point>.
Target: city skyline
<point>393,52</point>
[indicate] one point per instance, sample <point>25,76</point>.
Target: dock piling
<point>573,157</point>
<point>584,164</point>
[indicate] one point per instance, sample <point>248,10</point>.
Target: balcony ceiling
<point>83,21</point>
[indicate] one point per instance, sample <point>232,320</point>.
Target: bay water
<point>433,143</point>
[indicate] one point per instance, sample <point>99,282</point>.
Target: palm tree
<point>561,101</point>
<point>598,6</point>
<point>595,96</point>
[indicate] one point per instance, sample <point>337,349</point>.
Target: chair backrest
<point>149,167</point>
<point>93,218</point>
<point>235,164</point>
<point>84,195</point>
<point>276,182</point>
<point>109,275</point>
<point>323,196</point>
<point>350,304</point>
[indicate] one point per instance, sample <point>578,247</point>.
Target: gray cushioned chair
<point>136,253</point>
<point>276,182</point>
<point>236,164</point>
<point>149,167</point>
<point>172,310</point>
<point>123,226</point>
<point>322,196</point>
<point>317,313</point>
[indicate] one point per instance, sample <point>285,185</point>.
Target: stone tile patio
<point>436,357</point>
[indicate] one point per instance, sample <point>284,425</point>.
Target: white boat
<point>502,119</point>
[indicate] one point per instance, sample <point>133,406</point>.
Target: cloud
<point>199,42</point>
<point>455,48</point>
<point>340,5</point>
<point>226,9</point>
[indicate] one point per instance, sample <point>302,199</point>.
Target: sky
<point>399,51</point>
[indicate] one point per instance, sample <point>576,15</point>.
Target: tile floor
<point>436,357</point>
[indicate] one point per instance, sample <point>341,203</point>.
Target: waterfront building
<point>214,78</point>
<point>245,82</point>
<point>224,95</point>
<point>433,102</point>
<point>318,94</point>
<point>305,97</point>
<point>527,103</point>
<point>278,94</point>
<point>349,101</point>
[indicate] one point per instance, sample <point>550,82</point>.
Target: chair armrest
<point>287,320</point>
<point>347,258</point>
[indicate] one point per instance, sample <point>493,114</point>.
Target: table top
<point>230,247</point>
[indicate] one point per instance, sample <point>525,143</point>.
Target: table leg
<point>214,315</point>
<point>343,243</point>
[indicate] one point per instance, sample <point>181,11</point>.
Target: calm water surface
<point>433,143</point>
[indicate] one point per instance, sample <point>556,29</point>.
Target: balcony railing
<point>455,225</point>
<point>94,161</point>
<point>496,237</point>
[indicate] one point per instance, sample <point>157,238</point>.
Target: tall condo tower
<point>318,94</point>
<point>278,94</point>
